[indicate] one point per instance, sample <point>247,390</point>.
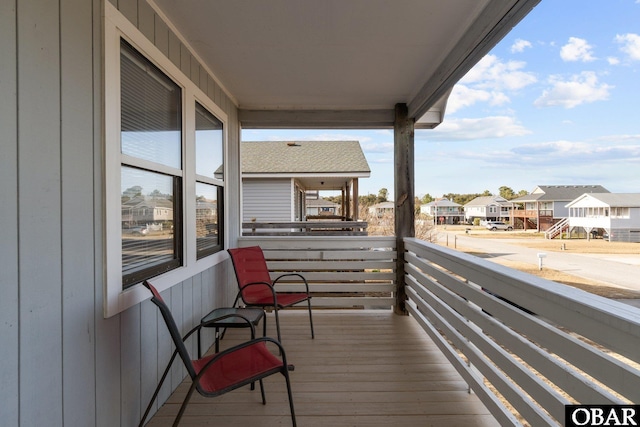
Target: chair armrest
<point>269,285</point>
<point>306,284</point>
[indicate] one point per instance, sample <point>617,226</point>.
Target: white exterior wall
<point>63,363</point>
<point>267,200</point>
<point>475,212</point>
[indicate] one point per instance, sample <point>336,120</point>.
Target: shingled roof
<point>304,157</point>
<point>559,192</point>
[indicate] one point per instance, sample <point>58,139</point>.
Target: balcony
<point>324,227</point>
<point>524,346</point>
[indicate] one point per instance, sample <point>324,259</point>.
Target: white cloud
<point>520,45</point>
<point>492,73</point>
<point>472,129</point>
<point>489,81</point>
<point>551,154</point>
<point>580,89</point>
<point>576,50</point>
<point>564,152</point>
<point>463,96</point>
<point>612,60</point>
<point>630,45</point>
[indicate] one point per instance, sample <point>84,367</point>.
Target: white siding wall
<point>62,362</point>
<point>267,200</point>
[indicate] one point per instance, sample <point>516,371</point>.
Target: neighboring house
<point>547,205</point>
<point>487,208</point>
<point>381,209</point>
<point>276,176</point>
<point>616,215</point>
<point>146,211</point>
<point>321,207</point>
<point>444,211</point>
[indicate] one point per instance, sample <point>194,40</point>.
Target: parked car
<point>498,225</point>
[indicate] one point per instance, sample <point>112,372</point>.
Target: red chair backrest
<point>173,328</point>
<point>251,267</point>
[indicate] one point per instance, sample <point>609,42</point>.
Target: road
<point>616,270</point>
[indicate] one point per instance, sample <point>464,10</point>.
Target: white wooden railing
<point>558,228</point>
<point>526,346</point>
<point>343,272</point>
<point>540,344</point>
<point>305,228</point>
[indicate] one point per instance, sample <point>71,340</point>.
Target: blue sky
<point>556,102</point>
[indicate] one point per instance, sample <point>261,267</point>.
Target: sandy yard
<point>582,246</point>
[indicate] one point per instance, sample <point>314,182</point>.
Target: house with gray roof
<point>487,208</point>
<point>319,207</point>
<point>546,205</point>
<point>443,211</point>
<point>615,216</point>
<point>277,174</point>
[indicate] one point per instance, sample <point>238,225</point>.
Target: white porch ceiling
<point>340,63</point>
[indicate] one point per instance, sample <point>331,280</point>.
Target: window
<point>209,178</point>
<point>164,169</point>
<point>151,171</point>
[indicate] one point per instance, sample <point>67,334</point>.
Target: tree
<point>382,195</point>
<point>427,198</point>
<point>507,192</point>
<point>368,200</point>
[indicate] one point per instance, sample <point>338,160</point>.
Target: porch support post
<point>403,137</point>
<point>356,207</point>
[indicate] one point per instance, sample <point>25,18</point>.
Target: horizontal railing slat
<point>342,271</point>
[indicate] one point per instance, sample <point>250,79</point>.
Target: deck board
<point>364,368</point>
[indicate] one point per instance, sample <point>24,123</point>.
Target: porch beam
<point>403,137</point>
<point>317,119</point>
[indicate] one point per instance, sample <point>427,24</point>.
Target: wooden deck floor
<point>364,368</point>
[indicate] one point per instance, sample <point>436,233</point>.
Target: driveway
<point>615,270</point>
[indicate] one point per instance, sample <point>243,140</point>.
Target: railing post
<point>403,136</point>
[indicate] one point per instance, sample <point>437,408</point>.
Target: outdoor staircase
<point>557,229</point>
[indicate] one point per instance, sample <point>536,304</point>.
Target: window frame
<point>117,299</point>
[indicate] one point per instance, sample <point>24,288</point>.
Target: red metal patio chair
<point>256,287</point>
<point>225,371</point>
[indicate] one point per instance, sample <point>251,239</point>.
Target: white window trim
<point>116,299</point>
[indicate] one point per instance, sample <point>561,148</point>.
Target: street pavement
<point>616,270</point>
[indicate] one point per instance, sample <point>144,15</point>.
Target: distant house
<point>444,211</point>
<point>277,174</point>
<point>382,209</point>
<point>488,208</point>
<point>146,210</point>
<point>616,215</point>
<point>321,207</point>
<point>546,206</point>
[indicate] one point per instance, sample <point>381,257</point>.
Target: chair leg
<point>184,404</point>
<point>277,323</point>
<point>155,393</point>
<point>290,394</point>
<point>310,319</point>
<point>264,398</point>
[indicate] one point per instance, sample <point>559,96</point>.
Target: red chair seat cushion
<point>236,367</point>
